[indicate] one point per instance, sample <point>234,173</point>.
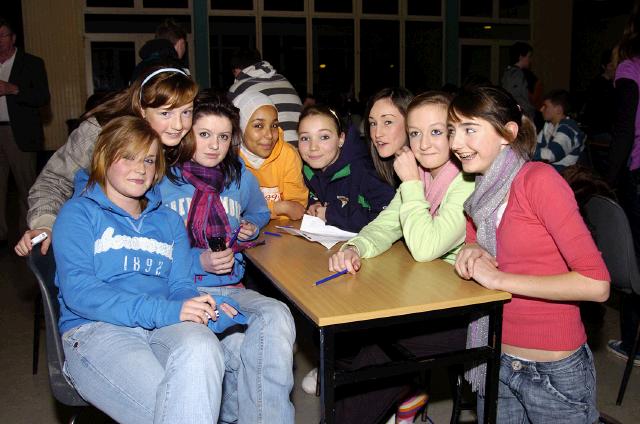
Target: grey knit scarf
<point>482,206</point>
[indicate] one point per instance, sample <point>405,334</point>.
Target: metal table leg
<point>327,377</point>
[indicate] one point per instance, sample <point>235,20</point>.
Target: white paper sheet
<point>315,229</point>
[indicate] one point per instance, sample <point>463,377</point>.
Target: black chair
<point>44,268</point>
<point>612,234</point>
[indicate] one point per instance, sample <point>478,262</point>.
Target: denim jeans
<point>258,360</point>
<point>168,375</point>
<point>561,391</point>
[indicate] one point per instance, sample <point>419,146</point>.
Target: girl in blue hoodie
<point>133,324</point>
<point>217,197</point>
<point>344,189</point>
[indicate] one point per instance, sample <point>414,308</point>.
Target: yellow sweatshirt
<point>280,176</point>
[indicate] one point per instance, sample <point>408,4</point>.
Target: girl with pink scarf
<point>427,211</point>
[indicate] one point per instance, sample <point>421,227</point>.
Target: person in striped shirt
<point>256,75</point>
<point>561,140</point>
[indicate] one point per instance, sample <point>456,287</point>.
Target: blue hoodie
<point>243,201</point>
<point>350,186</point>
<point>114,268</point>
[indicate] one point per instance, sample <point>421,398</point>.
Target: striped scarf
<point>482,206</point>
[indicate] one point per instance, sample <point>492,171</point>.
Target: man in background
<point>24,89</point>
<point>166,49</point>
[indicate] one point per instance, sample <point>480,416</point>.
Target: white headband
<point>159,71</point>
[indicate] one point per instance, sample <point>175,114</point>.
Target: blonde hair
<point>124,137</point>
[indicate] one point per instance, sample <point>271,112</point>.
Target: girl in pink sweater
<point>525,236</point>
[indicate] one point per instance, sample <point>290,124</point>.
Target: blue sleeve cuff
<point>224,321</point>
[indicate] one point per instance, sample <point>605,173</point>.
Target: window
<point>284,45</point>
<point>423,56</point>
<point>226,35</point>
<point>112,64</point>
<point>476,8</point>
<point>387,7</point>
<point>514,9</point>
<point>130,24</point>
<point>168,4</point>
<point>288,5</point>
<point>494,31</point>
<point>332,59</point>
<point>109,3</point>
<point>339,6</point>
<point>424,7</point>
<point>475,63</point>
<point>232,4</point>
<point>379,60</point>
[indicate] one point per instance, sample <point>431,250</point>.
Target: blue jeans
<point>561,391</point>
<point>259,361</point>
<point>168,375</point>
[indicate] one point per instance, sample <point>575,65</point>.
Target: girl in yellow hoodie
<point>275,163</point>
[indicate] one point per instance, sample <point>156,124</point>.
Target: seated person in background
<point>216,196</point>
<point>133,325</point>
<point>561,140</point>
<point>344,188</point>
<point>275,163</point>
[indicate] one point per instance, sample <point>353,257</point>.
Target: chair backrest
<point>44,268</point>
<point>612,234</point>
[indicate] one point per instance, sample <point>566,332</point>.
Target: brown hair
<point>435,98</point>
<point>322,110</point>
<point>173,89</point>
<point>124,137</point>
<point>216,103</point>
<point>496,106</point>
<point>629,46</point>
<point>400,97</point>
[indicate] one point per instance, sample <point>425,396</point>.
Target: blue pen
<point>273,234</point>
<point>331,277</point>
<point>234,236</point>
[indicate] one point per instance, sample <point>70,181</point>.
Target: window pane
<point>475,62</point>
<point>379,58</point>
<point>389,7</point>
<point>131,24</point>
<point>423,56</point>
<point>494,31</point>
<point>343,6</point>
<point>166,3</point>
<point>514,9</point>
<point>332,59</point>
<point>112,64</point>
<point>232,4</point>
<point>476,7</point>
<point>424,7</point>
<point>289,5</point>
<point>109,3</point>
<point>227,35</point>
<point>284,45</point>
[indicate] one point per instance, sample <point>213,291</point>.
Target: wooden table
<point>388,289</point>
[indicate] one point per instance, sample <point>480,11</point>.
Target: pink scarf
<point>435,188</point>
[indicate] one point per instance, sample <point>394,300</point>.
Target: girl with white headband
<point>163,97</point>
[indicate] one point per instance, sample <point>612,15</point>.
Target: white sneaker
<point>310,382</point>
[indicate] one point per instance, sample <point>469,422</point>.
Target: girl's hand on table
<point>291,209</point>
<point>347,259</point>
<point>467,257</point>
